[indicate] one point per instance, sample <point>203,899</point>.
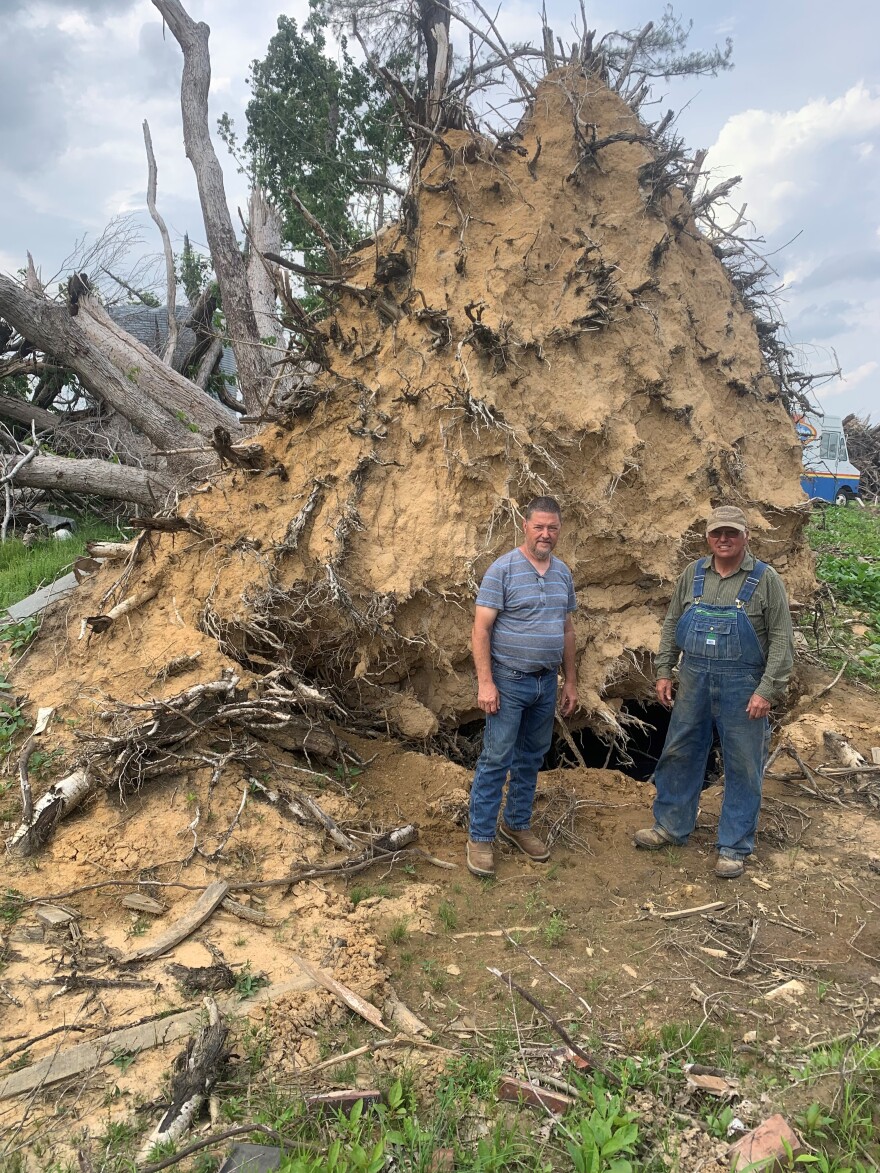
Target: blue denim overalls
<point>721,667</point>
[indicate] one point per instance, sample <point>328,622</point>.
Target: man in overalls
<point>730,622</point>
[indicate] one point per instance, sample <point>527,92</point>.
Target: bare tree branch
<point>225,253</point>
<point>170,276</point>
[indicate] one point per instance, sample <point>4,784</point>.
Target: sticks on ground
<point>593,1062</point>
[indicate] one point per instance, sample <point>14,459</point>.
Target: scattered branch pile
<point>863,445</point>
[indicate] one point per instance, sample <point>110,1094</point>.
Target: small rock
<point>789,991</point>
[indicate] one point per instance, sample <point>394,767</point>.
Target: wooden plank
<point>53,917</point>
<point>352,1000</point>
<point>196,916</point>
<point>140,902</point>
<point>88,1056</point>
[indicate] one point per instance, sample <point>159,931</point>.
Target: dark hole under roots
<point>637,758</point>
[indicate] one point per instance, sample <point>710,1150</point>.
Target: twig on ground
<point>747,953</point>
<point>540,964</point>
<point>594,1063</point>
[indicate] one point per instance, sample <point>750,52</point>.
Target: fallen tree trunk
<point>99,477</point>
<point>51,327</point>
<point>148,375</point>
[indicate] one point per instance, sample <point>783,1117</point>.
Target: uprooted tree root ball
<point>557,327</point>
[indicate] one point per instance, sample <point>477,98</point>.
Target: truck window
<point>832,447</point>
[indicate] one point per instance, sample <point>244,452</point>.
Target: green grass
<point>448,916</point>
<point>847,544</point>
<point>24,569</point>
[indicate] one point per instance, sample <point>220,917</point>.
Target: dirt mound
<point>546,321</point>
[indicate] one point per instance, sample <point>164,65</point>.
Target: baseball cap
<point>727,517</point>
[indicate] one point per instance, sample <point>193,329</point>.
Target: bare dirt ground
<point>806,911</point>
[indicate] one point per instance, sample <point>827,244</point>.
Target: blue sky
<point>798,117</point>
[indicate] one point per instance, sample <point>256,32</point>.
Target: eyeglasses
<point>725,533</point>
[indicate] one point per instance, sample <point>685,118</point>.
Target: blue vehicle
<point>828,474</point>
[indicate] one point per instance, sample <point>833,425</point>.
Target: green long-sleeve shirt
<point>767,610</point>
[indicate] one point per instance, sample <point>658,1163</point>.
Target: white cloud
<point>779,154</point>
<point>849,380</point>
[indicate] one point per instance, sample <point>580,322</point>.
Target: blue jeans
<point>515,739</point>
<point>713,692</point>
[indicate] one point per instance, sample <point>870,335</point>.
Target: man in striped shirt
<point>522,634</point>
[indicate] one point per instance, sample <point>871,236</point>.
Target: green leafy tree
<point>322,127</point>
<point>193,271</point>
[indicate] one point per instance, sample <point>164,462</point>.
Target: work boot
<point>527,842</point>
<point>652,838</point>
<point>729,869</point>
<point>480,858</point>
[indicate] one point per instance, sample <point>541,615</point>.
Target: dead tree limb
<point>319,230</point>
<point>170,275</point>
<point>703,202</point>
<point>100,477</point>
<point>594,1063</point>
<point>627,65</point>
<point>225,252</point>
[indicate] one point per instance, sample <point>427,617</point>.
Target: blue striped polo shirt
<point>528,631</point>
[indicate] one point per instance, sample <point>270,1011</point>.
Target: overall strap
<point>748,587</point>
<point>700,578</point>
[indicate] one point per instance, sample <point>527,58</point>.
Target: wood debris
<point>681,913</point>
<point>194,918</point>
<point>195,1071</point>
<point>140,902</point>
<point>352,1000</point>
<point>519,1091</point>
<point>139,1037</point>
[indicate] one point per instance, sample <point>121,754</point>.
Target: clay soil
<point>592,916</point>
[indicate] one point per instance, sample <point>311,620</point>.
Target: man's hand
<point>569,698</point>
<point>757,707</point>
<point>663,688</point>
<point>488,698</point>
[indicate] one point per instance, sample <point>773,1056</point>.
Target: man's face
<point>727,542</point>
<point>542,533</point>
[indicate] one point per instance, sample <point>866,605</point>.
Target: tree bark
<point>99,477</point>
<point>22,412</point>
<point>253,371</point>
<point>434,25</point>
<point>264,232</point>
